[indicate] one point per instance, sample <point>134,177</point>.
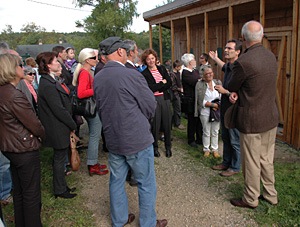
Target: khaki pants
<point>257,152</point>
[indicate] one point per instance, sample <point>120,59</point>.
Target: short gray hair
<point>252,35</point>
<point>131,44</point>
<point>186,58</point>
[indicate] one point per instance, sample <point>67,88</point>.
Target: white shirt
<point>209,96</point>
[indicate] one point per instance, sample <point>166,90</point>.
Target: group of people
<point>133,108</point>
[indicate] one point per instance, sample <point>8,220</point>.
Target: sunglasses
<point>31,74</point>
<point>21,65</point>
<point>94,58</point>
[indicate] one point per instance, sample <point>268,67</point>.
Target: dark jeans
<point>59,177</point>
<point>231,147</point>
<point>162,120</point>
<point>176,119</point>
<point>194,127</point>
<point>26,176</point>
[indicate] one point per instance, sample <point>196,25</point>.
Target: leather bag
<point>83,107</point>
<point>74,156</point>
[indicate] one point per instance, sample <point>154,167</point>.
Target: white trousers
<point>210,134</point>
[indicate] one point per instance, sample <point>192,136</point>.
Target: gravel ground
<point>184,195</point>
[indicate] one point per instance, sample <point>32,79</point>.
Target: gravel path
<point>184,195</point>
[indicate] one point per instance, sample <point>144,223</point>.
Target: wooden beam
<point>262,10</point>
<point>172,41</point>
<point>160,44</point>
<point>188,35</point>
<point>150,36</point>
<point>293,118</point>
<point>296,106</point>
<point>230,22</point>
<point>206,32</point>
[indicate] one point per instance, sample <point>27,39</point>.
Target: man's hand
<point>220,89</point>
<point>213,55</point>
<point>233,97</point>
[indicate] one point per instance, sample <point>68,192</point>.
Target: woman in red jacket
<point>84,81</point>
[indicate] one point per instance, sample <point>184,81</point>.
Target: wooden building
<point>199,26</point>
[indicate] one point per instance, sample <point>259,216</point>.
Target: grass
<point>60,212</point>
<point>56,212</point>
<point>287,175</point>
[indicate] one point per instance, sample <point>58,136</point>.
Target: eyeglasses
<point>94,58</point>
<point>31,74</point>
<point>21,65</point>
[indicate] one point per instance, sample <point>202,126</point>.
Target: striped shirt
<point>158,78</point>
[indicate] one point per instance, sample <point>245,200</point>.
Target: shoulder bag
<point>83,107</point>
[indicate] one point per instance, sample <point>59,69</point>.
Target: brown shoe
<point>206,154</point>
<point>131,218</point>
<point>161,223</point>
<point>216,154</point>
<point>240,203</point>
<point>228,173</point>
<point>220,167</point>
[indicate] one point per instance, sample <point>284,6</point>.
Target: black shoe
<point>71,189</point>
<point>156,153</point>
<point>168,153</point>
<point>193,144</point>
<point>65,195</point>
<point>133,183</point>
<point>199,142</point>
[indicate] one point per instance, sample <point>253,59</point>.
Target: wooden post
<point>206,32</point>
<point>172,42</point>
<point>160,45</point>
<point>293,122</point>
<point>188,35</point>
<point>262,12</point>
<point>230,22</point>
<point>296,61</point>
<point>150,35</point>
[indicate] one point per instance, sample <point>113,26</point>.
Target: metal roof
<point>168,7</point>
<point>34,50</point>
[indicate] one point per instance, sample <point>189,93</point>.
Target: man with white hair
<point>253,86</point>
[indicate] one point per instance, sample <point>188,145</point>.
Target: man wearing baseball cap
<point>126,105</point>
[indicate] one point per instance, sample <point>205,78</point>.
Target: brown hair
<point>31,62</point>
<point>43,59</point>
<point>146,53</point>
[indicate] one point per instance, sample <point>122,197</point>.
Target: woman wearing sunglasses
<point>84,81</point>
<point>20,140</point>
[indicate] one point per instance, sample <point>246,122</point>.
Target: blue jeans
<point>231,148</point>
<point>5,177</point>
<point>142,165</point>
<point>95,127</point>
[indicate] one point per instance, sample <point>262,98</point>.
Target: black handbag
<point>214,115</point>
<point>83,107</point>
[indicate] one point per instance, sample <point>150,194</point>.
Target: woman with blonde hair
<point>20,140</point>
<point>83,79</point>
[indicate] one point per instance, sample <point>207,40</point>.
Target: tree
<point>108,18</point>
<point>32,27</point>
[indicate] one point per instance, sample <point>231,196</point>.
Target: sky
<point>61,19</point>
